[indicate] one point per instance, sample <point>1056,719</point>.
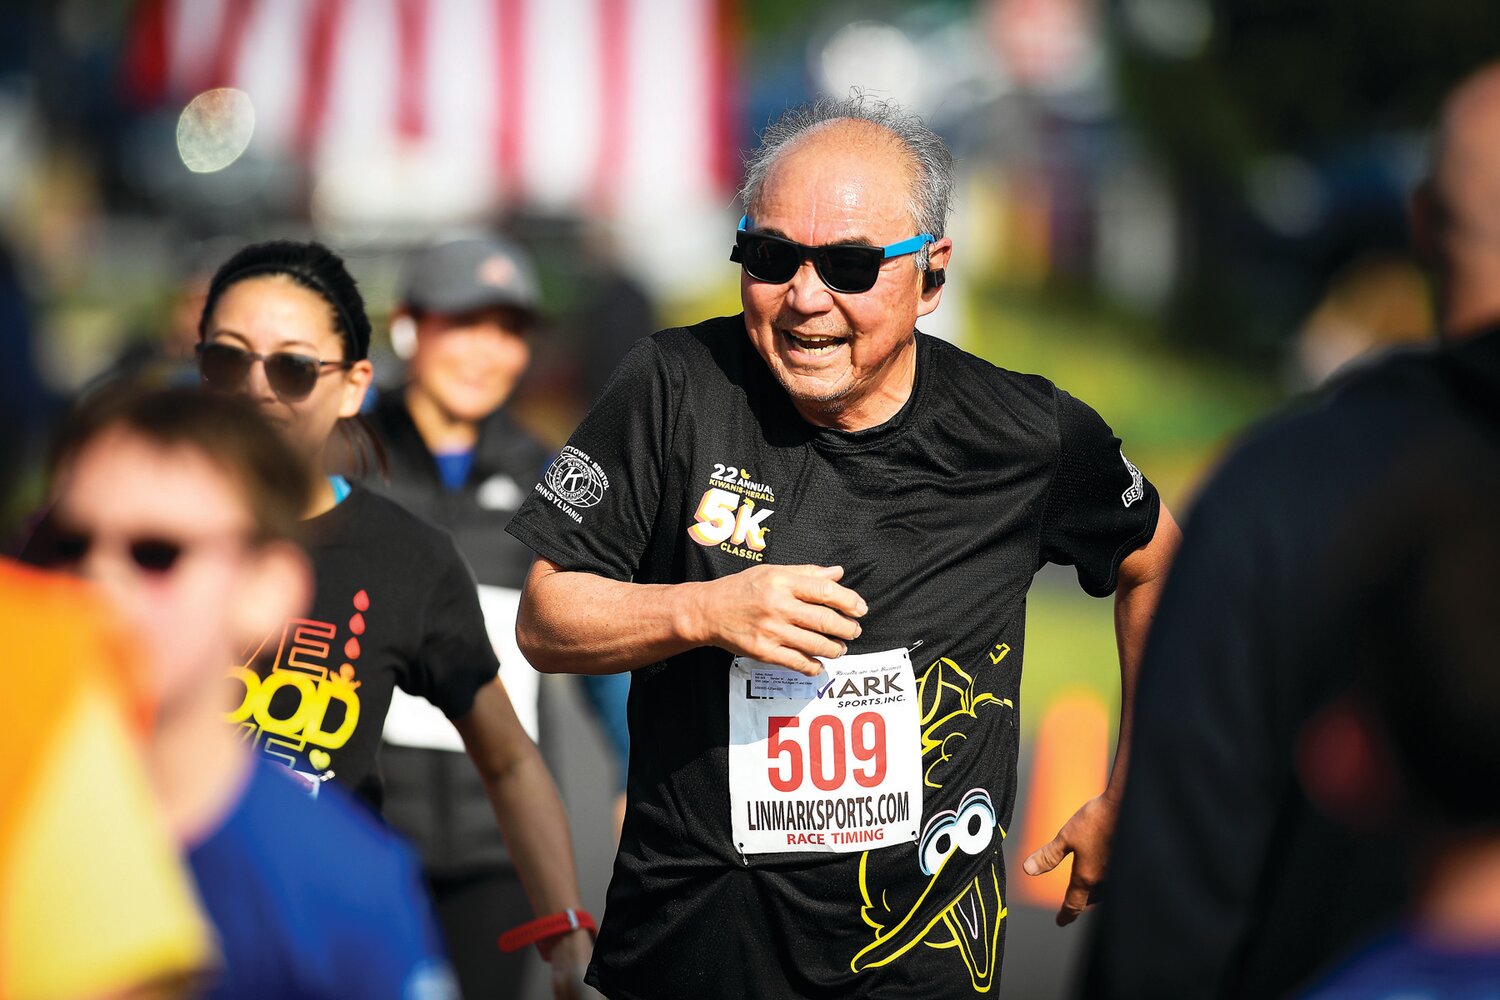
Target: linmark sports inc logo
<point>850,692</point>
<point>730,514</point>
<point>573,480</point>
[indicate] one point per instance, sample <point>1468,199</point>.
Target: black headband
<point>257,270</point>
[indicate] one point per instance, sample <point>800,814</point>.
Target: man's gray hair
<point>932,185</point>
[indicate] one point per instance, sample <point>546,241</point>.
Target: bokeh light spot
<point>215,129</point>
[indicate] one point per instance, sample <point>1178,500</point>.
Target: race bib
<point>825,763</point>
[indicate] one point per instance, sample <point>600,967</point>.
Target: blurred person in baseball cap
<point>465,311</point>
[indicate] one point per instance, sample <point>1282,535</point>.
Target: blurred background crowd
<point>1184,211</point>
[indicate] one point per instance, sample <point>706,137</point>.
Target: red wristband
<point>544,930</point>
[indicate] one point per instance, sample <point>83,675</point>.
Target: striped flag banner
<point>437,108</point>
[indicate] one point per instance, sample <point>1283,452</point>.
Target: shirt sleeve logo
<point>730,514</point>
<point>1137,489</point>
<point>576,478</point>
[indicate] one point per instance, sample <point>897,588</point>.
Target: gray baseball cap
<point>462,275</point>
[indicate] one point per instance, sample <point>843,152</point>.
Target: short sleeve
<point>594,507</point>
<point>1099,508</point>
<point>455,658</point>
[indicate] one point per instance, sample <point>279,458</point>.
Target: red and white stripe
<point>605,106</point>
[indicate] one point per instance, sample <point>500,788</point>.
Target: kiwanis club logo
<point>574,480</point>
<point>577,479</point>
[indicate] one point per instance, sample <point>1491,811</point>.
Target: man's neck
<point>1460,900</point>
<point>197,764</point>
<point>441,430</point>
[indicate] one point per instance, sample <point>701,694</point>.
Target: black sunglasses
<point>291,376</point>
<point>844,267</point>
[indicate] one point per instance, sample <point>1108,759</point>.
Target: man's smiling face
<point>847,360</point>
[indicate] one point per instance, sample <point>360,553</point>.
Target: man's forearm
<point>581,623</point>
<point>1133,611</point>
<point>1142,577</point>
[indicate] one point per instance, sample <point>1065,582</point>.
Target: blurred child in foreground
<point>180,506</point>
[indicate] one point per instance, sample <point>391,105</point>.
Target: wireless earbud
<point>933,278</point>
<point>404,337</point>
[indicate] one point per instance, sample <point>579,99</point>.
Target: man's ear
<point>938,255</point>
<point>356,383</point>
<point>1346,768</point>
<point>278,585</point>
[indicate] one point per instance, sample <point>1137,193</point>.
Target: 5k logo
<point>728,518</point>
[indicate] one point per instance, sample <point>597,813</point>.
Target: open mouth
<point>814,345</point>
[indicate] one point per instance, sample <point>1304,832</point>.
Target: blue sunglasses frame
<point>898,249</point>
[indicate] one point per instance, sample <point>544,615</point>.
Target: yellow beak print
<point>953,909</point>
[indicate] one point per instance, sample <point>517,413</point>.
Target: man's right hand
<point>782,615</point>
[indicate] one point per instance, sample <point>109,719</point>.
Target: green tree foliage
<point>1284,75</point>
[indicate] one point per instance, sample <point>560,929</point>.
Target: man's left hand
<point>1085,836</point>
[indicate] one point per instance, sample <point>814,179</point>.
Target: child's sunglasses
<point>65,547</point>
<point>844,267</point>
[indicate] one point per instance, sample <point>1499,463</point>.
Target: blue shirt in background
<point>453,467</point>
<point>1401,966</point>
<point>312,898</point>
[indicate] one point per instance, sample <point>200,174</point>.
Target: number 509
<point>828,748</point>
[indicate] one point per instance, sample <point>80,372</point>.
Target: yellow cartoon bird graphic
<point>954,908</point>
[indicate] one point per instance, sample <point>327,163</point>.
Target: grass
<point>1070,643</point>
<point>1174,411</point>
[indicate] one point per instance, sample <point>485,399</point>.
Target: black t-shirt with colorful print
<point>694,466</point>
<point>395,604</point>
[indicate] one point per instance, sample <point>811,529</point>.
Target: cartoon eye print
<point>937,842</point>
<point>970,827</point>
<point>975,826</point>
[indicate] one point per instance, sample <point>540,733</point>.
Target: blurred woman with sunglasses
<point>284,325</point>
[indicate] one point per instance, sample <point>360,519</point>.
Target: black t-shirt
<point>394,604</point>
<point>940,517</point>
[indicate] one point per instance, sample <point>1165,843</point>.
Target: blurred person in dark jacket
<point>467,308</point>
<point>1224,881</point>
